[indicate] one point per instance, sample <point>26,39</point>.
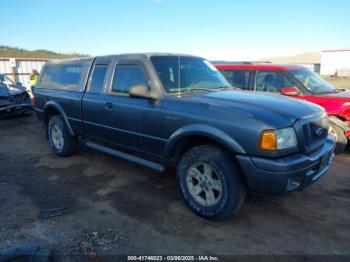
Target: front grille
<point>313,133</point>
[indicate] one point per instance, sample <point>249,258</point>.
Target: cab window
<point>98,79</point>
<point>271,81</point>
<point>237,78</point>
<point>126,76</point>
<point>287,82</point>
<point>267,81</point>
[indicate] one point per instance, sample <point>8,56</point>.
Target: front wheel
<point>210,182</point>
<point>61,142</point>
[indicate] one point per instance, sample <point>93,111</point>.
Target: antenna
<point>179,59</point>
<point>178,76</point>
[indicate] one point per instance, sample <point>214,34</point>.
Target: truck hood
<point>11,90</point>
<point>274,110</point>
<point>15,90</point>
<point>3,91</point>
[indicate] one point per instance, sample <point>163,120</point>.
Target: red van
<point>299,82</point>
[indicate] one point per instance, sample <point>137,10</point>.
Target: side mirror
<point>142,91</point>
<point>289,91</point>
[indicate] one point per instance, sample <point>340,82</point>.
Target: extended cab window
<point>237,78</point>
<point>98,78</point>
<point>126,76</point>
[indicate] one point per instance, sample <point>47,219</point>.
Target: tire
<point>204,195</point>
<point>61,142</point>
<point>341,139</point>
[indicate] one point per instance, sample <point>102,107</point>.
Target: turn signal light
<point>268,140</point>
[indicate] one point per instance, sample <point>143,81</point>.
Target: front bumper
<point>16,108</point>
<point>283,175</point>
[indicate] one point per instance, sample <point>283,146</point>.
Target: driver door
<point>121,110</point>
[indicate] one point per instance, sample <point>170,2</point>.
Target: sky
<point>215,29</point>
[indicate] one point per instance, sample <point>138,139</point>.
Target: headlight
<point>279,139</point>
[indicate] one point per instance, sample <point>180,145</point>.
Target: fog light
<point>294,182</point>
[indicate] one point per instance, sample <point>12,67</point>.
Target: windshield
<point>5,80</point>
<point>192,74</point>
<point>312,81</point>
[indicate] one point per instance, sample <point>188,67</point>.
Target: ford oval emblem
<point>319,131</point>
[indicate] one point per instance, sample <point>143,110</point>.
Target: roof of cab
<point>69,60</point>
<point>125,56</point>
<point>258,66</point>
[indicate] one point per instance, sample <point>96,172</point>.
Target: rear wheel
<point>339,134</point>
<point>210,182</point>
<point>61,142</point>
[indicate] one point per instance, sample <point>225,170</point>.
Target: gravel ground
<point>121,208</point>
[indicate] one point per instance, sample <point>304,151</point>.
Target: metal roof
<point>259,66</point>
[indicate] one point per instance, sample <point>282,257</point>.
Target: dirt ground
<point>121,208</point>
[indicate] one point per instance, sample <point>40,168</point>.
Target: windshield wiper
<point>189,90</point>
<point>226,88</point>
<point>195,89</point>
<point>330,92</point>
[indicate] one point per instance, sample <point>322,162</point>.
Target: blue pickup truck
<point>169,110</point>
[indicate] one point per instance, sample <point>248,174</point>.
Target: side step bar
<point>126,156</point>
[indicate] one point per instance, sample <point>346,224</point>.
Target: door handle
<point>108,105</point>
